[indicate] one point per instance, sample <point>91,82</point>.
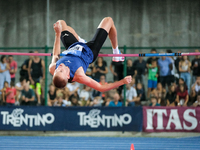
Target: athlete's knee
<point>62,22</point>
<point>63,25</point>
<point>108,19</point>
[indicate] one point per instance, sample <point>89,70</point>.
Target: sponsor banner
<point>106,119</point>
<point>71,118</point>
<point>171,119</point>
<point>30,118</point>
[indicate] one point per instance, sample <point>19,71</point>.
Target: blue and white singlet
<point>77,55</point>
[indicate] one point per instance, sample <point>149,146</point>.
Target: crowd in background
<point>172,81</point>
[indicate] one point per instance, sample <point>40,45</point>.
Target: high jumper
<point>78,55</point>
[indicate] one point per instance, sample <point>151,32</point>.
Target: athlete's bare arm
<point>108,25</point>
<point>56,48</point>
<point>59,26</point>
<point>83,79</point>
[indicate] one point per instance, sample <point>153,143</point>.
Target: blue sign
<point>71,118</point>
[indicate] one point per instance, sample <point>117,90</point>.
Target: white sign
<point>94,119</point>
<point>17,118</point>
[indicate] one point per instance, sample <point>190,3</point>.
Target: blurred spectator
<point>115,102</point>
<point>130,68</point>
<point>117,71</point>
<point>36,72</point>
<point>182,96</point>
<point>178,59</point>
<point>61,102</point>
<point>154,102</point>
<point>109,95</point>
<point>51,95</point>
<point>111,92</point>
<point>103,82</point>
<point>36,69</point>
<point>131,95</point>
<point>4,72</point>
<point>3,91</point>
<point>171,96</point>
<point>165,67</point>
<point>173,75</point>
<point>194,91</point>
<point>133,84</point>
<point>152,76</point>
<point>13,67</point>
<point>28,96</point>
<point>150,59</point>
<point>66,102</point>
<point>197,102</point>
<point>66,93</point>
<point>107,101</point>
<point>37,89</point>
<point>159,93</point>
<point>99,69</point>
<point>181,82</point>
<point>195,67</point>
<point>97,102</point>
<point>10,94</point>
<point>74,94</point>
<point>58,90</point>
<point>89,71</point>
<point>74,101</point>
<point>140,92</point>
<point>67,97</point>
<point>140,69</point>
<point>19,87</point>
<point>192,97</point>
<point>85,96</point>
<point>24,68</point>
<point>96,93</point>
<point>184,68</point>
<point>196,85</point>
<point>73,88</point>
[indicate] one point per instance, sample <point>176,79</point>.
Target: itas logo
<point>186,121</point>
<point>17,119</point>
<point>94,119</point>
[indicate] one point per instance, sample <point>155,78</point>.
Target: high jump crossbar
<point>108,55</point>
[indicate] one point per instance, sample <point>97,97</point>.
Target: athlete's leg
<point>108,25</point>
<point>65,27</point>
<point>105,28</point>
<point>68,34</point>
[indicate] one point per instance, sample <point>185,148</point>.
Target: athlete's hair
<point>59,82</point>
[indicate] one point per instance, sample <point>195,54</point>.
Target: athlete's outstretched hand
<point>127,79</point>
<point>57,27</point>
